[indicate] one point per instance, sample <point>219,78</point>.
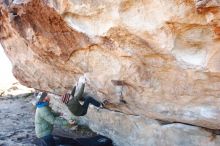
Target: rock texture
<point>155,59</point>
<point>129,130</point>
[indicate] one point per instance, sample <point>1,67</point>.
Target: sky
<point>6,76</point>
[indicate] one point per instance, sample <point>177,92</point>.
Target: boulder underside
<point>152,60</point>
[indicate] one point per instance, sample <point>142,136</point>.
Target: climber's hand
<point>72,122</point>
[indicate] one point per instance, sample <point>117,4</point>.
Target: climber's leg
<point>47,141</point>
<point>80,93</point>
<point>89,100</point>
<point>73,91</point>
<point>66,97</point>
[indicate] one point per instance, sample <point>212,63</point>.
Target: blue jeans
<point>47,141</point>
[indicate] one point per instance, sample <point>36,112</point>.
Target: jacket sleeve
<point>80,93</point>
<point>47,115</point>
<point>55,114</point>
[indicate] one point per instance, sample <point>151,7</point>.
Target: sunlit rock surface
<point>129,130</point>
<point>155,59</point>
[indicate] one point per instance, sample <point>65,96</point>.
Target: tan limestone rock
<point>155,59</point>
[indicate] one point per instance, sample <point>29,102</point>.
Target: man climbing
<point>45,118</point>
<point>74,105</point>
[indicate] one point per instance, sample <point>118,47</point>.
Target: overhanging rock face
<point>155,59</point>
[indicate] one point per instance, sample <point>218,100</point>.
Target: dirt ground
<point>17,122</point>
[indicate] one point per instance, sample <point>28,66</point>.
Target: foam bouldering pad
<point>98,140</point>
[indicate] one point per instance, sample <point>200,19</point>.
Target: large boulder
<point>155,59</point>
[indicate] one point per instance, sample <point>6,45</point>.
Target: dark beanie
<point>41,96</point>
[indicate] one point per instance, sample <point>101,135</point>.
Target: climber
<point>45,118</point>
<point>74,105</point>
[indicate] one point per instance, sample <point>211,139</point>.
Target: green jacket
<point>74,106</point>
<point>44,121</point>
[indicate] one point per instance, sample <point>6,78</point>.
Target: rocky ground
<point>17,122</point>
